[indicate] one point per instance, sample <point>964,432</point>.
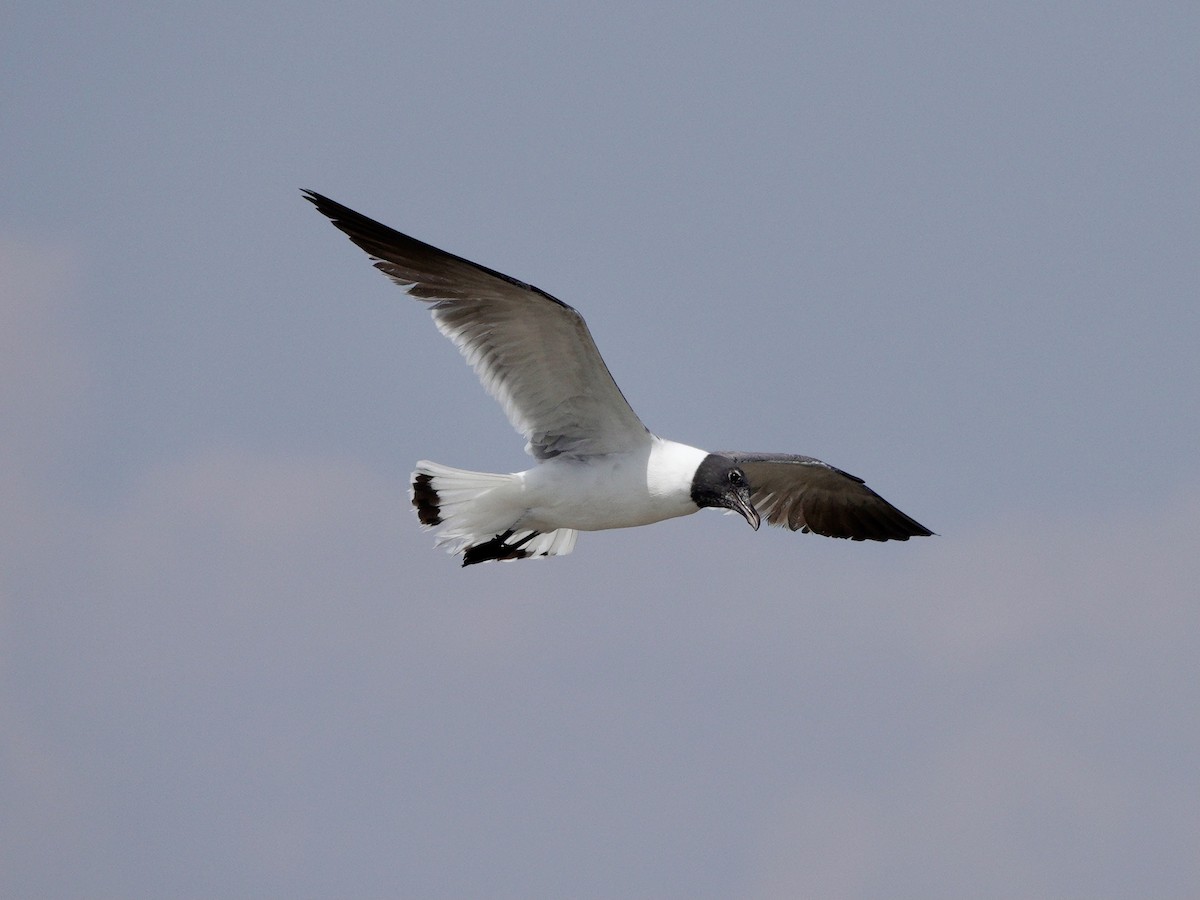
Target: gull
<point>597,466</point>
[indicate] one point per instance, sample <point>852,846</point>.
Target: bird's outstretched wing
<point>533,353</point>
<point>805,494</point>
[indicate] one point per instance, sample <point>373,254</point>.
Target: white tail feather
<point>471,508</point>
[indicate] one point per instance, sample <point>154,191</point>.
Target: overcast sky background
<point>952,248</point>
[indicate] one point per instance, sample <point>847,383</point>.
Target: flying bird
<point>597,466</point>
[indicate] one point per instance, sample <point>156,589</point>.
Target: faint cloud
<point>43,377</point>
<point>1132,574</point>
<point>43,373</point>
<point>1047,650</point>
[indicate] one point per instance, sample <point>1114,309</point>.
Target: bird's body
<point>615,490</point>
<point>598,467</point>
<point>561,496</point>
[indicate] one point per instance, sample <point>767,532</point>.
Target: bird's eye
<point>735,477</point>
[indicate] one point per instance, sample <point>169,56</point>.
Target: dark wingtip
<point>883,522</point>
<point>910,527</point>
<point>897,530</point>
<point>333,210</point>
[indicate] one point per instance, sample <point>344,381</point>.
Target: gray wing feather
<point>805,494</point>
<point>532,352</point>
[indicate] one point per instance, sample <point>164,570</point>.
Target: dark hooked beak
<point>742,505</point>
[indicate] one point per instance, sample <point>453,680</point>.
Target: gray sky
<point>950,248</point>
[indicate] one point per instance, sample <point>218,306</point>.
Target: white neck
<point>671,468</point>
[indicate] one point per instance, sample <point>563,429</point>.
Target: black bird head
<point>719,482</point>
